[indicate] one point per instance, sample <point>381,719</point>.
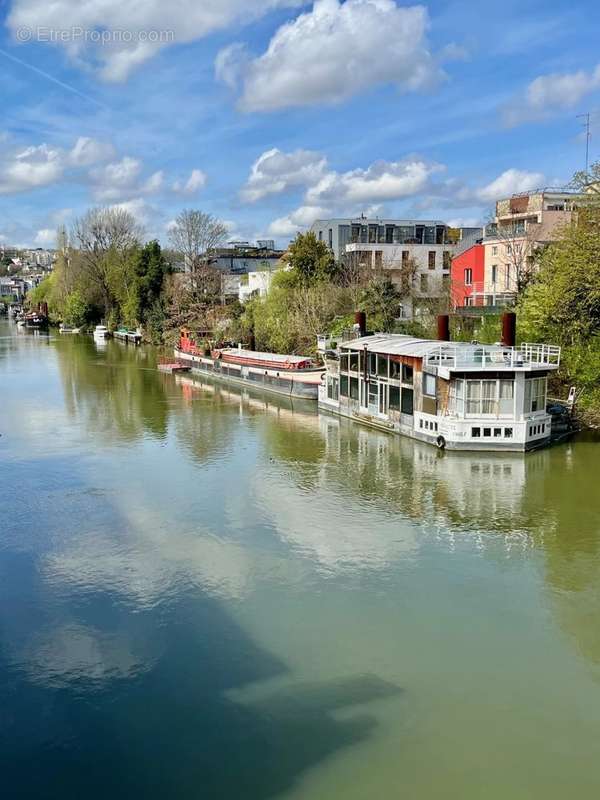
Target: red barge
<point>294,376</point>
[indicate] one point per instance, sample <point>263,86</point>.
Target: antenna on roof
<point>586,125</point>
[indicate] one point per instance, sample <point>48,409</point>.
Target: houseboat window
<point>395,370</point>
<point>407,401</point>
<point>506,395</point>
<point>508,432</point>
<point>475,433</point>
<point>407,373</point>
<point>354,388</point>
<point>373,363</point>
<point>497,432</point>
<point>394,399</point>
<point>429,384</point>
<point>488,397</point>
<point>487,432</point>
<point>473,397</point>
<point>354,362</point>
<point>382,366</point>
<point>332,388</point>
<point>535,394</point>
<point>344,385</point>
<point>344,362</point>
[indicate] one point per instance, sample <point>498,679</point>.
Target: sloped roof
<point>393,344</point>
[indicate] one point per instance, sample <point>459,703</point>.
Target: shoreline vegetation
<point>105,273</point>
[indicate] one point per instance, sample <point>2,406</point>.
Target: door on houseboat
<point>373,403</point>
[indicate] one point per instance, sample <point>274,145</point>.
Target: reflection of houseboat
<point>101,332</point>
<point>295,376</point>
<point>451,394</point>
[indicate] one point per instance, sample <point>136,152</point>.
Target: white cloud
<point>274,172</point>
<point>154,183</point>
<point>511,181</point>
<point>230,62</point>
<point>46,237</point>
<point>116,179</point>
<point>150,26</point>
<point>30,168</point>
<point>88,151</point>
<point>297,220</point>
<point>548,94</point>
<point>382,180</point>
<point>334,51</point>
<point>193,184</point>
<point>140,209</point>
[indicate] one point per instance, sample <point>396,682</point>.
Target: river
<point>210,594</point>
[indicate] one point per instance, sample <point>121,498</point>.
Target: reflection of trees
<point>117,390</point>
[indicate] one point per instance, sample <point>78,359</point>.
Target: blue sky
<point>269,113</point>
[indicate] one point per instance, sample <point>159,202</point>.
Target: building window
<point>507,277</point>
<point>320,236</point>
<point>475,433</point>
<point>494,250</point>
<point>428,384</point>
<point>394,398</point>
<point>372,363</point>
<point>331,237</point>
<point>508,432</point>
<point>344,385</point>
<point>497,432</point>
<point>354,388</point>
<point>382,366</point>
<point>424,284</point>
<point>354,362</point>
<point>407,373</point>
<point>494,273</point>
<point>535,395</point>
<point>468,277</point>
<point>431,259</point>
<point>447,259</point>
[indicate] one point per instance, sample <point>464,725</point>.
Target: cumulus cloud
<point>193,184</point>
<point>31,168</point>
<point>122,180</point>
<point>150,26</point>
<point>382,180</point>
<point>296,221</point>
<point>334,51</point>
<point>88,151</point>
<point>548,94</point>
<point>46,237</point>
<point>274,172</point>
<point>511,181</point>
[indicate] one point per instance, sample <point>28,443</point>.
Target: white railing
<point>484,356</point>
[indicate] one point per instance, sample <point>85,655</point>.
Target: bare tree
<point>104,237</point>
<point>196,235</point>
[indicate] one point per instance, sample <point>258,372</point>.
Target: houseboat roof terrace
<point>461,356</point>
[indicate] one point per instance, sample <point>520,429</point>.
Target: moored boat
<point>295,376</point>
<point>125,335</point>
<point>68,329</point>
<point>101,332</point>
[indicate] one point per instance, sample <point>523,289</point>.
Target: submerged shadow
<point>168,730</point>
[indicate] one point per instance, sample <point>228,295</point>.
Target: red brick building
<point>467,277</point>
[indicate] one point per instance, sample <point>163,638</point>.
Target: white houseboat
<point>451,394</point>
<point>294,376</point>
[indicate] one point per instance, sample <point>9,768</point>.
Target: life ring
<point>440,443</point>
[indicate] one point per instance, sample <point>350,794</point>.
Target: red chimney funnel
<point>509,329</point>
<point>360,319</point>
<point>443,327</point>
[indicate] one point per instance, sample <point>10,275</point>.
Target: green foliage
<point>382,301</point>
<point>77,311</point>
<point>311,260</point>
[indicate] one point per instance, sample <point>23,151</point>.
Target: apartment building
<point>523,223</point>
<point>423,248</point>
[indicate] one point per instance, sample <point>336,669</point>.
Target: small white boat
<point>67,329</point>
<point>101,332</point>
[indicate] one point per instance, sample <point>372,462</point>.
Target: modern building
<point>417,254</point>
<point>255,284</point>
<point>467,276</point>
<point>240,258</point>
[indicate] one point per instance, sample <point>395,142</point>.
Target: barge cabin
<point>294,376</point>
<point>451,394</point>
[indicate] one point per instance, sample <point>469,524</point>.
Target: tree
<point>588,184</point>
<point>310,259</point>
<point>150,269</point>
<point>195,235</point>
<point>382,301</point>
<point>105,239</point>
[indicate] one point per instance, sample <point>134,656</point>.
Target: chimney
<point>509,328</point>
<point>360,319</point>
<point>443,327</point>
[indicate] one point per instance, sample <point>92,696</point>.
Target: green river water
<point>206,593</point>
